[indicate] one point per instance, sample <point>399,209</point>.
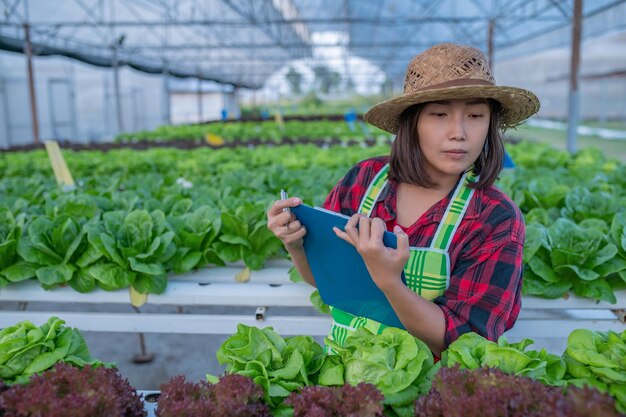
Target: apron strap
<point>373,191</point>
<point>454,213</point>
<point>452,217</point>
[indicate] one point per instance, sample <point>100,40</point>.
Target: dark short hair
<point>406,162</point>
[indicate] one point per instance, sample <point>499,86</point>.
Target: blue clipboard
<point>339,270</point>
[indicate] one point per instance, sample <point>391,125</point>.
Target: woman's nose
<point>457,127</point>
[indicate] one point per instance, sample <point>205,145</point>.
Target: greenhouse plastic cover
<point>242,42</point>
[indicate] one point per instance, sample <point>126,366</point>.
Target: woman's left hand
<point>384,264</point>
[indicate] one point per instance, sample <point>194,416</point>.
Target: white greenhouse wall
<point>185,108</point>
<point>547,74</point>
<point>74,101</point>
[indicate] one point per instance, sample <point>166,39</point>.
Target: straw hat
<point>450,71</point>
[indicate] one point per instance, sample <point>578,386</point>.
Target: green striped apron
<point>427,271</point>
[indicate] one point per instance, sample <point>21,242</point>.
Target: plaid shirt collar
<point>435,213</point>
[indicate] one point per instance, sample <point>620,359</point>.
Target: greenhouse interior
<point>312,208</point>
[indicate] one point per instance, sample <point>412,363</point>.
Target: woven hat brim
<point>518,104</point>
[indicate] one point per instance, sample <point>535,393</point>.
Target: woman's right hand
<point>284,223</point>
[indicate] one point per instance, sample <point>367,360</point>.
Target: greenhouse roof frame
<point>243,42</point>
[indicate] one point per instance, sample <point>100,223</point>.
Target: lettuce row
<point>215,201</point>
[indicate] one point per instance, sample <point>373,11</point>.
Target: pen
<point>283,196</point>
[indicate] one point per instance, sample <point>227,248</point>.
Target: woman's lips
<point>455,154</point>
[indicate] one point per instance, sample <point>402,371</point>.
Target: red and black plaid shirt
<point>484,295</point>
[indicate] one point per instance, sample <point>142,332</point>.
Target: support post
<point>200,109</point>
<point>106,110</point>
<point>604,99</point>
<point>236,111</point>
<point>166,94</point>
<point>574,76</point>
<point>116,86</point>
<point>28,50</point>
<point>490,33</point>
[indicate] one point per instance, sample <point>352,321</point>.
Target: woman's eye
<point>475,116</point>
<point>438,114</point>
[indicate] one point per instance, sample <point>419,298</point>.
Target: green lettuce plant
<point>12,269</point>
<point>529,154</point>
<point>194,234</point>
<point>568,256</point>
<point>545,192</point>
<point>52,248</point>
<point>26,349</point>
<point>598,359</point>
<point>581,204</point>
<point>398,364</point>
<point>172,203</point>
<point>130,249</point>
<point>617,235</point>
<point>472,351</point>
<point>245,235</point>
<point>280,366</point>
<point>23,191</point>
<point>76,204</point>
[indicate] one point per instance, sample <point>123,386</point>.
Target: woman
<point>460,239</point>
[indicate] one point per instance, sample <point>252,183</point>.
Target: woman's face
<point>452,134</point>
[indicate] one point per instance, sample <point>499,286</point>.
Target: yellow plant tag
<point>61,172</point>
<point>278,118</point>
<point>137,299</point>
<point>243,275</point>
<point>213,140</point>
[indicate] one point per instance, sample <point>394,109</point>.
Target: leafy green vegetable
<point>545,192</point>
<point>280,366</point>
<point>581,203</point>
<point>246,236</point>
<point>332,372</point>
<point>194,235</point>
<point>317,302</point>
<point>472,351</point>
<point>53,247</point>
<point>398,364</point>
<point>130,249</point>
<point>598,359</point>
<point>11,268</point>
<point>568,256</point>
<point>26,349</point>
<point>617,236</point>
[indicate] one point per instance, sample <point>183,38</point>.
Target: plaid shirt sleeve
<point>484,295</point>
<point>346,196</point>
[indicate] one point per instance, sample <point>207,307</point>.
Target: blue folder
<point>339,270</point>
